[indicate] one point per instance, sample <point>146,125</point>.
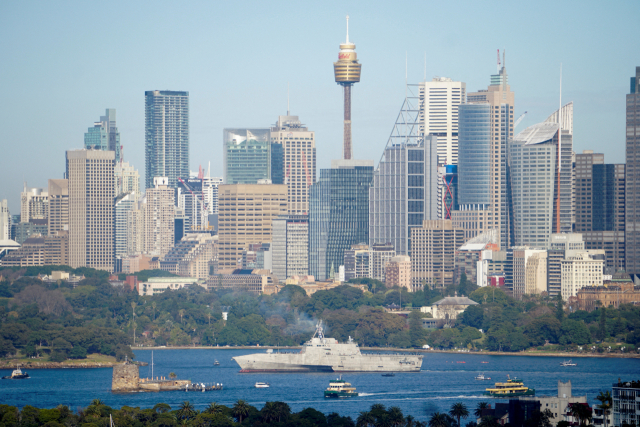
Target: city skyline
<point>46,55</point>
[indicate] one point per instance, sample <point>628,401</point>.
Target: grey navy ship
<point>321,354</point>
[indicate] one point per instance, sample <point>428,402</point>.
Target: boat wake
<point>423,398</point>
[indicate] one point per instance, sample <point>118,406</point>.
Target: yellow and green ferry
<point>340,388</point>
<point>512,388</point>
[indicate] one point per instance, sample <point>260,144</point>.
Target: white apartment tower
<point>5,220</point>
<point>91,194</point>
<point>299,157</point>
<point>127,179</point>
<point>290,246</point>
<point>158,218</point>
<point>34,204</point>
<point>439,101</point>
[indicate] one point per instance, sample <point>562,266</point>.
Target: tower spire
<point>347,30</point>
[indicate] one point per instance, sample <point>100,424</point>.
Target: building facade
<point>127,179</point>
<point>5,220</point>
<point>298,145</point>
<point>91,195</point>
<point>157,218</point>
<point>404,193</point>
<point>34,204</point>
<point>580,270</point>
<point>124,203</point>
<point>58,205</point>
<point>104,134</point>
<point>632,178</point>
<point>290,246</point>
<point>626,395</point>
<point>166,136</point>
<point>246,156</point>
<point>398,272</point>
<point>433,254</point>
<point>338,214</point>
<point>246,214</point>
<point>439,102</point>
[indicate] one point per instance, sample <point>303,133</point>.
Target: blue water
<point>441,382</point>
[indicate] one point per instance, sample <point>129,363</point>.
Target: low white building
<point>583,269</point>
<point>558,404</point>
<point>157,285</point>
<point>448,308</point>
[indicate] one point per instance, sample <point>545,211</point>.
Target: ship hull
<point>299,362</point>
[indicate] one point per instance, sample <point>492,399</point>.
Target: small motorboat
<point>216,363</point>
<point>17,374</point>
<point>568,363</point>
<point>262,385</point>
<point>389,374</point>
<point>482,377</point>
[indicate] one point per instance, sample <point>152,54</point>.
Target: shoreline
<point>414,350</point>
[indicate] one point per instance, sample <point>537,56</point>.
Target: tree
<point>240,410</point>
<point>181,313</point>
<point>365,419</point>
<point>282,410</point>
<point>559,308</point>
<point>606,402</point>
<point>581,412</point>
<point>213,408</point>
<point>186,411</point>
<point>489,421</point>
<point>479,408</point>
<point>439,419</point>
<point>473,316</point>
<point>172,375</point>
<point>459,410</point>
<point>602,325</point>
<point>162,408</point>
<point>153,305</point>
<point>269,412</point>
<point>396,418</point>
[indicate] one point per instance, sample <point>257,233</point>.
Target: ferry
<point>17,374</point>
<point>340,388</point>
<point>512,388</point>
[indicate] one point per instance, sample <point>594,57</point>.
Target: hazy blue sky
<point>63,62</point>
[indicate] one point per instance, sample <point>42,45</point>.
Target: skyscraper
<point>124,203</point>
<point>347,72</point>
<point>5,220</point>
<point>158,214</point>
<point>541,186</point>
<point>34,204</point>
<point>501,102</point>
<point>166,118</point>
<point>632,187</point>
<point>338,214</point>
<point>104,134</point>
<point>246,156</point>
<point>290,246</point>
<point>298,162</point>
<point>58,205</point>
<point>91,194</point>
<point>439,101</point>
<point>600,206</point>
<point>127,179</point>
<point>404,192</point>
<point>246,213</point>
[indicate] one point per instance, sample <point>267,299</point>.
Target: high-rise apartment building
<point>166,136</point>
<point>290,246</point>
<point>399,272</point>
<point>191,199</point>
<point>439,102</point>
<point>433,253</point>
<point>127,179</point>
<point>580,270</point>
<point>501,101</point>
<point>124,203</point>
<point>600,206</point>
<point>541,186</point>
<point>5,220</point>
<point>404,192</point>
<point>246,156</point>
<point>299,161</point>
<point>58,205</point>
<point>158,213</point>
<point>246,214</point>
<point>104,134</point>
<point>338,214</point>
<point>632,186</point>
<point>34,204</point>
<point>563,245</point>
<point>91,195</point>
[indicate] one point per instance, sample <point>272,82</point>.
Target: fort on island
<point>126,378</point>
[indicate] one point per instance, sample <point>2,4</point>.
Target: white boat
<point>481,377</point>
<point>262,385</point>
<point>569,363</point>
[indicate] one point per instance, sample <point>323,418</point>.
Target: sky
<point>63,63</point>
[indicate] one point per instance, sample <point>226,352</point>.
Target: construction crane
<point>519,120</point>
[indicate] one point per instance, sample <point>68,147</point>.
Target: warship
<point>321,354</point>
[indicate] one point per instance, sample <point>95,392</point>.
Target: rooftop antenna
<point>498,65</point>
<point>347,30</point>
<point>288,96</point>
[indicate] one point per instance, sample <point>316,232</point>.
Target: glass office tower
<point>104,134</point>
<point>339,214</point>
<point>166,136</point>
<point>474,142</point>
<point>247,155</point>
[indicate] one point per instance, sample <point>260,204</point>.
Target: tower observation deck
<point>347,72</point>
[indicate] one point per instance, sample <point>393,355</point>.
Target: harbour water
<point>444,380</point>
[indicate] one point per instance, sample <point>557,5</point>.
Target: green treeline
<point>276,414</point>
<point>57,321</point>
